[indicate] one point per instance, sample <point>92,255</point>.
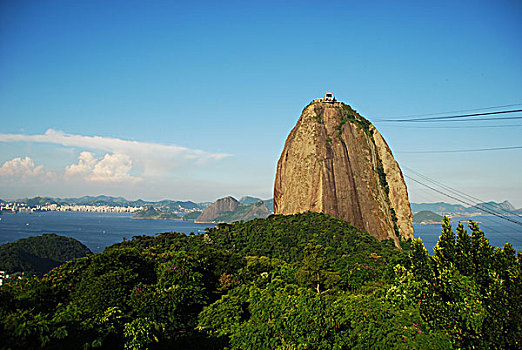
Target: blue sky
<point>195,100</point>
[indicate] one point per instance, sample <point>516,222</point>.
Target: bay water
<point>498,231</point>
<point>95,230</point>
<point>99,230</point>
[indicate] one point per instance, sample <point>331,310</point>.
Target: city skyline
<point>195,101</point>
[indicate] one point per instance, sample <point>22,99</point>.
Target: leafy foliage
<point>285,282</point>
<point>469,289</point>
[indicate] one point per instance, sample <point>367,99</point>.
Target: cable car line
<point>476,200</point>
<point>460,111</point>
<point>465,202</point>
<point>454,117</point>
<point>465,150</point>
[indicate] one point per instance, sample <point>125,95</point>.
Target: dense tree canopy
<point>305,281</point>
<point>38,255</point>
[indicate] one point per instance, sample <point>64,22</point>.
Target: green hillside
<point>427,216</point>
<point>33,202</point>
<point>249,200</point>
<point>191,216</point>
<point>37,255</point>
<point>305,281</point>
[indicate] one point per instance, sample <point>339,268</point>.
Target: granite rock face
<point>217,208</point>
<point>228,210</point>
<point>336,162</point>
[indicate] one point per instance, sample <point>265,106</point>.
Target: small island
<point>426,217</point>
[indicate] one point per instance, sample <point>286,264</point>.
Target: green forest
<point>304,281</point>
<point>37,255</point>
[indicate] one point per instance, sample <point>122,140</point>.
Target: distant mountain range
<point>113,201</point>
<point>269,203</point>
<point>166,204</point>
<point>441,208</point>
<point>226,209</point>
<point>184,207</point>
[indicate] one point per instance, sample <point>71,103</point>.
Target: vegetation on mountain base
<point>285,282</point>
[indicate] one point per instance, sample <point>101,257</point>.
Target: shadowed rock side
<point>335,162</point>
<point>216,209</point>
<point>229,210</point>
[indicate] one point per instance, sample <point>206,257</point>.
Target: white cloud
<point>21,169</point>
<point>154,158</point>
<point>111,168</point>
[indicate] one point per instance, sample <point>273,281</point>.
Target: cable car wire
<point>465,150</point>
<point>454,117</point>
<point>465,202</point>
<point>459,111</point>
<point>476,200</point>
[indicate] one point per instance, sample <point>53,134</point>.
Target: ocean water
<point>95,230</point>
<point>496,230</point>
<point>99,230</point>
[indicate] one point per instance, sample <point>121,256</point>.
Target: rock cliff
<point>336,162</point>
<point>245,212</point>
<point>227,204</point>
<point>228,209</point>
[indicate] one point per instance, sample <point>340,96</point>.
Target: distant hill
<point>120,201</point>
<point>503,207</point>
<point>427,217</point>
<point>249,200</point>
<point>95,200</point>
<point>204,205</point>
<point>151,213</point>
<point>229,209</point>
<point>38,255</point>
<point>245,212</point>
<point>178,205</point>
<point>218,208</point>
<point>443,208</point>
<point>269,203</point>
<point>439,208</point>
<point>32,202</point>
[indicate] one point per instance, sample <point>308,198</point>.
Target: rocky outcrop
<point>335,162</point>
<point>229,210</point>
<point>245,212</point>
<point>227,204</point>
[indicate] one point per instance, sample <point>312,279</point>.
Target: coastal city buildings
<point>15,207</point>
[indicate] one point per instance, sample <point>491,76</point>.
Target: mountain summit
<point>336,162</point>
